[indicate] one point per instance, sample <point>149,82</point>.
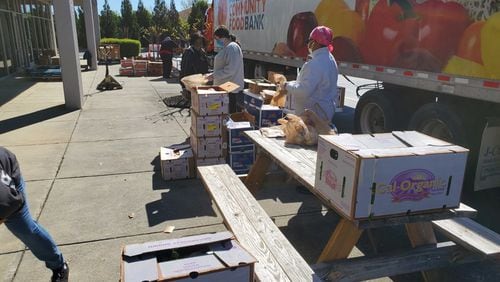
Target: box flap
<point>140,269</point>
<point>409,151</point>
<point>176,152</point>
<point>417,139</point>
<point>138,249</point>
<point>229,86</point>
<point>237,125</point>
<point>183,267</point>
<point>231,253</point>
<point>211,91</point>
<point>270,108</point>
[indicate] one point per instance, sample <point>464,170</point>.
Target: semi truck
<point>435,63</point>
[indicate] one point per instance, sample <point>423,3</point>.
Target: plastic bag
<point>304,129</point>
<point>192,81</point>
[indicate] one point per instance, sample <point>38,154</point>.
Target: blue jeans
<point>22,225</point>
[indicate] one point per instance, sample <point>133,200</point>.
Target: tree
<point>173,20</point>
<point>185,4</point>
<point>196,18</point>
<point>109,21</point>
<point>129,25</point>
<point>160,14</point>
<point>80,28</point>
<point>144,21</point>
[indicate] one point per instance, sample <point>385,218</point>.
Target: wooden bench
<point>277,258</point>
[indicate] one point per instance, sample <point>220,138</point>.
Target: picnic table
<point>473,241</point>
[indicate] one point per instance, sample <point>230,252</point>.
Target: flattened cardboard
<point>384,174</point>
<point>488,164</point>
<point>177,162</point>
<point>211,257</point>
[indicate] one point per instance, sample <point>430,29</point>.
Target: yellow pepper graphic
<point>490,45</point>
<point>344,22</point>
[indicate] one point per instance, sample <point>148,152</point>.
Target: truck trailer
<point>436,63</point>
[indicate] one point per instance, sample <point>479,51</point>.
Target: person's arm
<point>310,76</point>
<point>232,62</point>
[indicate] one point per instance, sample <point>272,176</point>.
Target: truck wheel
<point>374,113</point>
<point>440,121</point>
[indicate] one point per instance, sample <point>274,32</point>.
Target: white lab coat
<point>228,66</point>
<point>316,85</point>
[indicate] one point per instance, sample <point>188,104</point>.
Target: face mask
<point>219,43</point>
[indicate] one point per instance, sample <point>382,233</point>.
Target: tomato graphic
<point>222,12</point>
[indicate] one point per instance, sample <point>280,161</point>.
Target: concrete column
<point>53,41</point>
<point>90,31</point>
<point>97,25</point>
<point>64,12</point>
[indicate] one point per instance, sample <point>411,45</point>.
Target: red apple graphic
<point>299,29</point>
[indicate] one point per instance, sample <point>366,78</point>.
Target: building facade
<point>27,34</point>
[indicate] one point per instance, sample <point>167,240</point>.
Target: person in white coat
<point>228,65</point>
<point>316,85</point>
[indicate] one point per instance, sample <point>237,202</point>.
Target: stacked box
<point>257,85</point>
<point>127,63</point>
<point>129,71</point>
<point>241,151</point>
<point>155,68</point>
<point>140,68</point>
<point>177,162</point>
<point>209,107</point>
<point>387,174</point>
<point>265,115</point>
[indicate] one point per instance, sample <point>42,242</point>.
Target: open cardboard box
<point>212,100</point>
<point>257,85</point>
<point>177,162</point>
<point>209,257</point>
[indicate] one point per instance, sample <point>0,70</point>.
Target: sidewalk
<point>89,171</point>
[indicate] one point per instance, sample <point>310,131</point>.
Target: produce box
<point>252,99</point>
<point>127,63</point>
<point>387,174</point>
<point>266,115</point>
<point>141,65</point>
<point>212,100</point>
<point>241,159</point>
<point>140,73</point>
<point>129,71</point>
<point>206,126</point>
<point>155,68</point>
<point>207,257</point>
<point>208,147</point>
<point>209,161</point>
<point>257,85</point>
<point>177,162</point>
<point>235,127</point>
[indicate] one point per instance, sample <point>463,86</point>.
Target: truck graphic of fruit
<point>222,12</point>
<point>299,29</point>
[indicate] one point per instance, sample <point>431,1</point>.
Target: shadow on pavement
<point>12,87</point>
<point>32,118</point>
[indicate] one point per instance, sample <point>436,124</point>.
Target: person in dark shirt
<point>194,59</point>
<point>167,51</point>
<point>15,214</point>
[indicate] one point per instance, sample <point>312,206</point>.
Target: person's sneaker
<point>61,274</point>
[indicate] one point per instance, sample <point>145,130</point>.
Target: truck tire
<point>440,121</point>
<point>374,113</point>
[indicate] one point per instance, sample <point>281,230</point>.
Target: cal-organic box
<point>257,85</point>
<point>252,100</point>
<point>209,257</point>
<point>208,147</point>
<point>387,174</point>
<point>235,127</point>
<point>177,162</point>
<point>212,100</point>
<point>206,125</point>
<point>209,161</point>
<point>266,115</point>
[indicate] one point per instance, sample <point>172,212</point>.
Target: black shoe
<point>61,274</point>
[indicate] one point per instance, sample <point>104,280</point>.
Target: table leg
<point>342,241</point>
<point>255,177</point>
<point>422,233</point>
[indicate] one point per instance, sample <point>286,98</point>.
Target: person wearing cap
<point>15,214</point>
<point>316,85</point>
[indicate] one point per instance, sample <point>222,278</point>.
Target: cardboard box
<point>257,85</point>
<point>140,73</point>
<point>235,127</point>
<point>387,174</point>
<point>141,65</point>
<point>126,63</point>
<point>177,162</point>
<point>206,126</point>
<point>242,158</point>
<point>488,164</point>
<point>209,161</point>
<point>252,100</point>
<point>212,100</point>
<point>266,115</point>
<point>127,71</point>
<point>208,147</point>
<point>208,257</point>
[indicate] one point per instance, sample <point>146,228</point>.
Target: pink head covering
<point>323,35</point>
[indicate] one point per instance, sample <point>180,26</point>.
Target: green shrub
<point>128,47</point>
